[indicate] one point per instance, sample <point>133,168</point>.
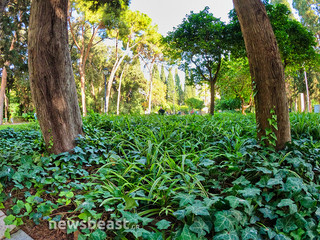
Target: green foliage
<point>176,177</point>
<point>228,104</point>
<point>195,103</point>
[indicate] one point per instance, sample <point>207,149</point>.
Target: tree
<point>267,72</point>
<point>179,91</point>
<point>163,74</point>
<point>51,76</point>
<point>199,42</point>
<point>309,10</point>
<point>83,30</point>
<point>195,103</point>
<point>171,89</point>
<point>14,20</point>
<point>237,82</point>
<point>295,42</point>
<point>150,52</point>
<point>131,29</point>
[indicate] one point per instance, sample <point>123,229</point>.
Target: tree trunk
<point>51,78</point>
<point>4,81</point>
<point>266,70</point>
<point>119,92</point>
<point>212,96</point>
<point>308,107</point>
<point>6,107</point>
<point>83,90</point>
<point>2,90</point>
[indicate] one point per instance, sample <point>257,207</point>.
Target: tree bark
<point>4,81</point>
<point>266,70</point>
<point>119,91</point>
<point>51,77</point>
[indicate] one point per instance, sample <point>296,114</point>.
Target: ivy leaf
<point>235,201</point>
<point>206,162</point>
<point>137,232</point>
<point>308,202</point>
<point>9,220</point>
<point>163,224</point>
<point>130,217</point>
<point>224,220</point>
<point>199,227</point>
<point>294,184</point>
<point>241,181</point>
<point>288,203</point>
<point>232,235</point>
<point>185,199</point>
<point>268,213</point>
<point>250,192</point>
<point>198,209</point>
<point>249,233</point>
<point>180,214</point>
<point>287,224</point>
<point>264,170</point>
<point>186,234</point>
<point>274,181</point>
<point>130,202</point>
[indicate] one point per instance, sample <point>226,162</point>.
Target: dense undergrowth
<point>169,177</point>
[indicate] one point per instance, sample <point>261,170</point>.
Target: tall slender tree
<point>178,87</point>
<point>267,72</point>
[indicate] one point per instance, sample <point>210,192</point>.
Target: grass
<point>176,177</point>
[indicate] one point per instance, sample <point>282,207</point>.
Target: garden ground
<point>176,177</point>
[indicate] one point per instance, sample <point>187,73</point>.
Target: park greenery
<point>185,175</point>
<point>177,177</point>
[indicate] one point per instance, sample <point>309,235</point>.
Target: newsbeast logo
<point>91,225</point>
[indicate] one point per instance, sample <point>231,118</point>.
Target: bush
<point>228,104</point>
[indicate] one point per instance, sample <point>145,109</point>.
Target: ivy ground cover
<point>167,177</point>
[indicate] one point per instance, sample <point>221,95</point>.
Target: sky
<point>170,13</point>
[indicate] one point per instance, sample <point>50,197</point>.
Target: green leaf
<point>163,224</point>
<point>241,181</point>
<point>130,202</point>
<point>185,199</point>
<point>294,184</point>
<point>287,224</point>
<point>223,220</point>
<point>308,202</point>
<point>297,235</point>
<point>9,220</point>
<point>137,232</point>
<point>250,192</point>
<point>235,201</point>
<point>180,214</point>
<point>199,227</point>
<point>98,235</point>
<point>232,235</point>
<point>186,234</point>
<point>198,209</point>
<point>274,181</point>
<point>249,233</point>
<point>7,233</point>
<point>130,217</point>
<point>288,203</point>
<point>268,213</point>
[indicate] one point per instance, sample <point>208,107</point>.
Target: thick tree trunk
<point>266,70</point>
<point>51,78</point>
